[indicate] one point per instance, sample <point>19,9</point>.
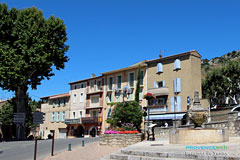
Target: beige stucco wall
<point>190,74</point>
<point>124,75</point>
<point>47,125</point>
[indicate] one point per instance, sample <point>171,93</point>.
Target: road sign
<point>38,117</point>
<point>18,118</point>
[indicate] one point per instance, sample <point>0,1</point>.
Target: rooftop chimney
<point>160,56</point>
<point>93,75</point>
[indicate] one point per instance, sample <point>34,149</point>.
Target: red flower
<point>149,94</point>
<point>124,111</point>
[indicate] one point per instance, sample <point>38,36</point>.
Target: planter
<point>121,140</point>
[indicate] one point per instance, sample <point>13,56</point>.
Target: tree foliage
<point>131,112</point>
<point>6,113</point>
<point>223,82</point>
<point>138,85</point>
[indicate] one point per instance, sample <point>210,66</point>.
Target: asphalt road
<point>24,150</point>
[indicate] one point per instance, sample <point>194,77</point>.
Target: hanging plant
<point>148,96</point>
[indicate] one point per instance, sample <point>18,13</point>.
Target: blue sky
<point>109,34</point>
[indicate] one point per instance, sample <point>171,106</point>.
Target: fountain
<point>197,116</point>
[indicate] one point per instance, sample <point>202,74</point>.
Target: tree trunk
<point>21,93</point>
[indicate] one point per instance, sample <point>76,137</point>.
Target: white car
<point>237,108</point>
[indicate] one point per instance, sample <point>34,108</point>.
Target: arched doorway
<point>93,131</point>
<point>80,131</point>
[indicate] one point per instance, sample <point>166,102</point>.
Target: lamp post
<point>126,91</point>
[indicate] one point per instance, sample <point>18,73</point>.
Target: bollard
<point>82,143</point>
<point>69,147</point>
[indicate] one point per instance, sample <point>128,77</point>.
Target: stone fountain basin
<point>198,135</point>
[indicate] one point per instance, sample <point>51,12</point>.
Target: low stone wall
<point>121,140</point>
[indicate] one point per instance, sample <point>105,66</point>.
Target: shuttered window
<point>159,68</point>
<point>177,85</point>
<point>52,116</point>
<point>55,117</point>
<point>172,104</point>
<point>177,64</point>
<point>60,117</point>
<point>109,114</point>
<point>178,107</point>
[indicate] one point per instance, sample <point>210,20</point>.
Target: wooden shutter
<point>178,103</point>
<point>175,85</point>
<point>55,116</point>
<point>178,84</point>
<point>155,84</point>
<point>159,68</point>
<point>177,64</point>
<point>163,82</point>
<point>172,104</point>
<point>60,116</point>
<point>51,116</point>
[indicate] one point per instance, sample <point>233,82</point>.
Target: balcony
<point>97,90</point>
<point>91,120</point>
<point>156,109</point>
<point>162,91</point>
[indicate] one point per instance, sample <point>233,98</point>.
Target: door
<point>62,133</point>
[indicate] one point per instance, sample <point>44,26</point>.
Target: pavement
<point>93,151</point>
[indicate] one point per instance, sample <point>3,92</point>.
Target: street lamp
<point>126,91</point>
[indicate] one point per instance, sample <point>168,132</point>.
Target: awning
<point>165,116</point>
<point>163,91</point>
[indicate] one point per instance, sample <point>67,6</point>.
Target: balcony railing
<point>73,121</point>
<point>91,119</point>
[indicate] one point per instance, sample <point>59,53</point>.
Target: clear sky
<point>110,34</point>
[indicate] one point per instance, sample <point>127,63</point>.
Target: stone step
<point>175,155</point>
<point>131,157</point>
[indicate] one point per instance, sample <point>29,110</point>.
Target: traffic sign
<point>19,118</point>
<point>38,117</point>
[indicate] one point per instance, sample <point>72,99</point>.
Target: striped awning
<point>166,116</point>
<point>163,91</point>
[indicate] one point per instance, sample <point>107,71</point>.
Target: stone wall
<point>121,140</point>
<point>232,124</point>
<point>220,114</point>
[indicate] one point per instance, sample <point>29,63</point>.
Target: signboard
<point>73,121</point>
<point>188,100</point>
<point>18,118</point>
<point>38,117</point>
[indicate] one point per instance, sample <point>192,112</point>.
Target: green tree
<point>30,46</point>
<point>6,113</point>
<point>138,85</point>
<point>130,113</point>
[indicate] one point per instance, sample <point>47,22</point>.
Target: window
<point>177,85</point>
<point>80,114</point>
<point>160,100</point>
<point>94,101</point>
<point>59,103</point>
<point>53,104</point>
<point>131,79</point>
<point>94,113</point>
<point>75,87</point>
<point>130,96</point>
<point>74,98</point>
<point>73,115</point>
<point>141,94</point>
<point>81,85</point>
<point>65,101</point>
<point>52,116</point>
<point>109,113</point>
<point>118,96</point>
<point>62,102</point>
<point>110,83</point>
<point>141,77</point>
<point>119,82</point>
<point>109,97</point>
<point>55,116</point>
<point>159,84</point>
<point>176,104</point>
<point>92,86</point>
<point>81,97</point>
<point>159,68</point>
<point>58,116</point>
<point>99,85</point>
<point>177,64</point>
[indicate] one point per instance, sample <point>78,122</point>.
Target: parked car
<point>236,109</point>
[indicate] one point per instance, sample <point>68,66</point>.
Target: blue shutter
<point>60,118</point>
<point>55,116</point>
<point>155,84</point>
<point>172,104</point>
<point>51,116</point>
<point>174,85</point>
<point>178,103</point>
<point>163,82</point>
<point>159,67</point>
<point>109,113</point>
<point>177,64</point>
<point>178,84</point>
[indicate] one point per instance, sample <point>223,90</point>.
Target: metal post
<point>148,119</point>
<point>53,143</point>
<point>82,143</point>
<point>35,149</point>
<point>174,111</point>
<point>69,147</point>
